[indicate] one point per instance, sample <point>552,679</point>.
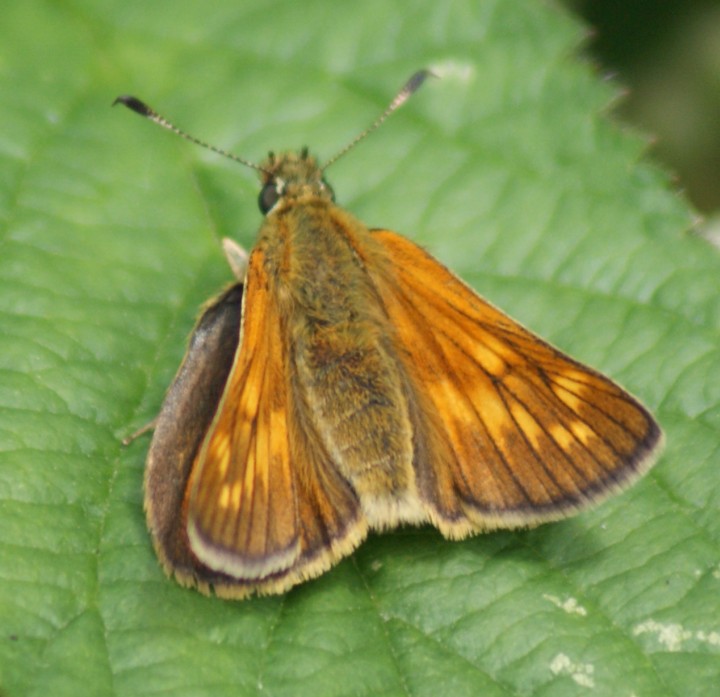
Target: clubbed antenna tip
<point>139,107</point>
<point>408,89</point>
<point>134,104</point>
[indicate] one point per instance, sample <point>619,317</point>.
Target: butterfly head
<point>291,176</point>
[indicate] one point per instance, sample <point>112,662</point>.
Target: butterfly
<point>346,382</point>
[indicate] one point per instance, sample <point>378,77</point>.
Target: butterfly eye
<point>268,197</point>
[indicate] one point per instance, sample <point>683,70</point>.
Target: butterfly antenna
<point>139,107</point>
<point>408,89</point>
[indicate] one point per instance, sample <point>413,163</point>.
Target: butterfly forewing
<point>510,431</point>
<point>243,478</point>
<point>266,507</point>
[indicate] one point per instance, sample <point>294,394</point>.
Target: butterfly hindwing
<point>187,412</point>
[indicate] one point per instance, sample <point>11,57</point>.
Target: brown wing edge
<point>455,516</point>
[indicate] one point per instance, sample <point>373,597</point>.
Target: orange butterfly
<point>348,381</point>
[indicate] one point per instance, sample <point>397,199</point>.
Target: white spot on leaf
<point>569,605</point>
<point>581,673</point>
<point>673,636</point>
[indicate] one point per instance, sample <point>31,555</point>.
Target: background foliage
<point>510,171</point>
<point>668,54</point>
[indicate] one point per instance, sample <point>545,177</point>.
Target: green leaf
<point>511,172</point>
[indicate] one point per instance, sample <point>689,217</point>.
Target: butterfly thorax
<point>341,361</point>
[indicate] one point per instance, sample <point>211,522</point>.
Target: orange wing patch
<point>509,431</point>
